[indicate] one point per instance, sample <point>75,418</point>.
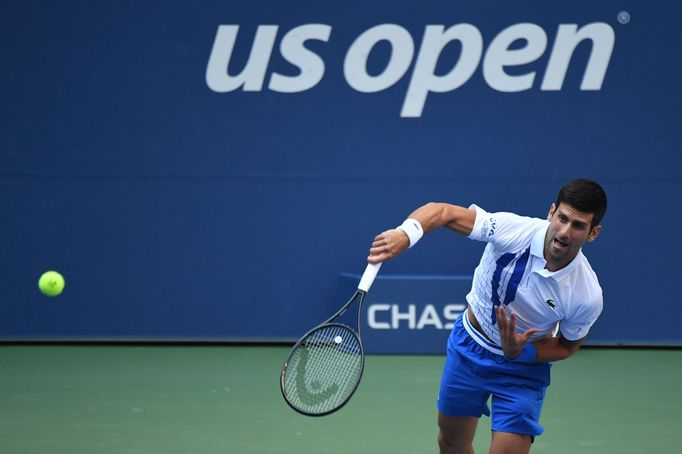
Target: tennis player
<point>533,300</point>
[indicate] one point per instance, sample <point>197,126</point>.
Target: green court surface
<point>226,399</point>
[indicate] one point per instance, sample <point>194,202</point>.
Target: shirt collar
<point>537,248</point>
<point>537,244</point>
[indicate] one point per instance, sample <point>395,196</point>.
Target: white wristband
<point>413,229</point>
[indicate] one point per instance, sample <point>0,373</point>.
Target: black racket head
<point>323,370</point>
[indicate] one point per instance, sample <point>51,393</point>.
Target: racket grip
<point>368,276</point>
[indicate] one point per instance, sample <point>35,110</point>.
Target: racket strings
<point>324,370</point>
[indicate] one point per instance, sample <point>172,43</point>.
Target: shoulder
<point>587,296</point>
<point>586,279</point>
<point>505,230</point>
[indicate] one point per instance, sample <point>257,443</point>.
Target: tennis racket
<point>325,366</point>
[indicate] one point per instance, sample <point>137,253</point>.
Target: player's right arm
<point>431,216</point>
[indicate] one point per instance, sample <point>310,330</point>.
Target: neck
<point>556,265</point>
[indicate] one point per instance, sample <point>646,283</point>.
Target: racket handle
<point>368,276</point>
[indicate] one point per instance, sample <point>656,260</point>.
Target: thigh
<point>516,407</point>
<point>510,443</point>
<point>460,393</point>
<point>463,391</point>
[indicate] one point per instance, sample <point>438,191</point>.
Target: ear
<point>552,209</point>
<point>594,233</point>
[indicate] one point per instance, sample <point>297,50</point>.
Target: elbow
<point>568,349</point>
<point>565,354</point>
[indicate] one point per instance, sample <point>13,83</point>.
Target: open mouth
<point>559,244</point>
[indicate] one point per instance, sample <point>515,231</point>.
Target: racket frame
<point>329,323</point>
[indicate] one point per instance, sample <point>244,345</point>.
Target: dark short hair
<point>586,196</point>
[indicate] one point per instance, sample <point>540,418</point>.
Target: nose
<point>563,231</point>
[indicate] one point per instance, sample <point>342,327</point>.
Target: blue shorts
<point>472,374</point>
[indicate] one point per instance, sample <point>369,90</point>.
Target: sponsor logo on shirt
<point>493,226</point>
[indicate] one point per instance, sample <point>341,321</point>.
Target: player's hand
<point>387,245</point>
<point>512,342</point>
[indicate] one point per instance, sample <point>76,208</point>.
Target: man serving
<point>533,300</point>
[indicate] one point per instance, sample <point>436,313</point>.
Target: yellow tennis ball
<point>51,283</point>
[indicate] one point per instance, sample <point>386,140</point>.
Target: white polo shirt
<point>512,274</point>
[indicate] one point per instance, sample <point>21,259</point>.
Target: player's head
<point>586,196</point>
<point>573,220</point>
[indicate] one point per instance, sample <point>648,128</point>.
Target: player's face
<point>568,230</point>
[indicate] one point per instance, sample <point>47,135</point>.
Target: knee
<point>456,433</point>
<point>443,441</point>
<point>453,444</point>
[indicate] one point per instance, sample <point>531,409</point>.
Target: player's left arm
<point>555,348</point>
<point>516,345</point>
<point>571,334</point>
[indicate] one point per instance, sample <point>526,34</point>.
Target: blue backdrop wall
<point>208,171</point>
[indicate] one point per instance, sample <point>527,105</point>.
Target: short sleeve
<point>577,326</point>
<point>483,224</point>
<point>507,231</point>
